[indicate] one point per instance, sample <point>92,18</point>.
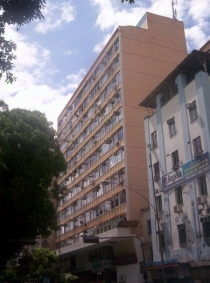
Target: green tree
<point>129,1</point>
<point>33,266</point>
<point>67,278</point>
<point>30,158</point>
<point>15,12</point>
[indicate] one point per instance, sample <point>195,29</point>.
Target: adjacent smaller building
<point>178,145</point>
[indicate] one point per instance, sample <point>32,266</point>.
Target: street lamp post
<point>158,222</point>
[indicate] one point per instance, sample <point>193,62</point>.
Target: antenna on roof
<point>174,13</point>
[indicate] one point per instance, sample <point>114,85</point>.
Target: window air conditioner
<point>156,177</point>
<point>108,141</point>
<point>175,166</point>
<point>201,199</point>
<point>177,208</point>
<point>198,153</point>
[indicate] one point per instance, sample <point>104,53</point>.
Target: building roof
<point>193,63</point>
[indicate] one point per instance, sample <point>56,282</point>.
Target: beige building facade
<point>101,134</point>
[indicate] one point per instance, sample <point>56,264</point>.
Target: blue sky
<point>54,54</point>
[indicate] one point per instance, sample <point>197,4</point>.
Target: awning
<point>200,263</point>
<point>158,264</point>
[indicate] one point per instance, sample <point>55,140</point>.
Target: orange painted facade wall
<point>147,56</point>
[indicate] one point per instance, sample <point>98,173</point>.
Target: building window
<point>156,170</point>
<point>161,240</point>
<point>175,159</point>
<point>197,146</point>
<point>193,111</point>
<point>178,195</point>
<point>182,234</point>
<point>172,127</point>
<point>206,230</point>
<point>154,140</point>
<point>159,204</point>
<point>202,185</point>
<point>149,227</point>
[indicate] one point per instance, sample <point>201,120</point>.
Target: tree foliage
<point>15,12</point>
<point>67,278</point>
<point>32,266</point>
<point>30,158</point>
<point>129,1</point>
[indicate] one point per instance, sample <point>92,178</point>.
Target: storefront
<point>175,272</point>
<point>201,271</point>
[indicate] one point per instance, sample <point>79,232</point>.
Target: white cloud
<point>33,89</point>
<point>199,10</point>
<point>26,93</point>
<point>69,52</point>
<point>76,78</point>
<point>194,14</point>
<point>112,15</point>
<point>98,47</point>
<point>34,69</point>
<point>56,14</point>
<point>195,37</point>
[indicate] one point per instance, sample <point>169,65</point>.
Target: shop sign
<point>124,260</point>
<point>97,264</point>
<point>172,178</point>
<point>197,166</point>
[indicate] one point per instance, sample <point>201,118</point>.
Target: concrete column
<point>203,97</point>
<point>165,197</point>
<point>181,83</point>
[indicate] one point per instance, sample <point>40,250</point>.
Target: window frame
<point>171,126</point>
<point>175,158</point>
<point>156,169</point>
<point>182,233</point>
<point>149,227</point>
<point>179,195</point>
<point>154,143</point>
<point>159,205</point>
<point>204,190</point>
<point>206,230</point>
<point>197,146</point>
<point>193,112</point>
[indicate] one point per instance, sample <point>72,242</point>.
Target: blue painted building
<point>177,134</point>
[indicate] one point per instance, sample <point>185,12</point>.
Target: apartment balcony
<point>117,211</point>
<point>98,181</point>
<point>102,88</point>
<point>91,151</point>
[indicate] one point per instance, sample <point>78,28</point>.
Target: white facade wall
<point>197,246</point>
